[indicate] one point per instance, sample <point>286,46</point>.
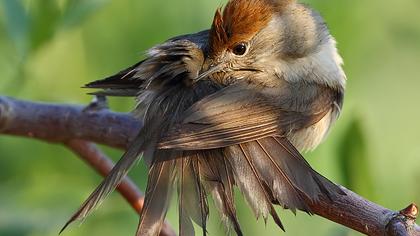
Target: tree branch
<point>37,120</point>
<point>69,122</point>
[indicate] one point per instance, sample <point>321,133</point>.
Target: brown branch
<point>38,120</point>
<point>116,129</point>
<point>367,217</point>
<point>103,165</point>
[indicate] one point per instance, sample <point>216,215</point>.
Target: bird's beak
<point>213,69</point>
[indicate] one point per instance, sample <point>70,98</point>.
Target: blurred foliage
<point>49,48</point>
<point>353,160</point>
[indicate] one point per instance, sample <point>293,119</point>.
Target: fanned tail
<point>271,171</point>
<point>267,171</point>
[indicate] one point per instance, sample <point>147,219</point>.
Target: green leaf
<point>77,11</point>
<point>354,160</point>
<point>45,17</point>
<point>17,25</point>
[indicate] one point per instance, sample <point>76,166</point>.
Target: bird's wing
<point>123,83</point>
<point>250,133</point>
<point>166,62</point>
<point>238,114</point>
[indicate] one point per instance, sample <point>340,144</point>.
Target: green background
<point>49,48</point>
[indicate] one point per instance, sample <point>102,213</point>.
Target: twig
<point>103,165</point>
<point>116,129</point>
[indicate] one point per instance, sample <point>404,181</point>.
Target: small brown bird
<point>231,106</point>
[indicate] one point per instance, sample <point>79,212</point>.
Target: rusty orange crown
<point>241,20</point>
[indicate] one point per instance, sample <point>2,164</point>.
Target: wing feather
<point>236,114</point>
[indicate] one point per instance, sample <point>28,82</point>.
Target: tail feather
<point>271,170</point>
<point>158,193</point>
<point>276,177</point>
<point>192,198</point>
<point>219,181</point>
<point>250,162</point>
<point>186,227</point>
<point>325,186</point>
<point>203,200</point>
<point>251,184</point>
<point>120,170</point>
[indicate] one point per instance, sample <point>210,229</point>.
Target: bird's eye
<point>239,49</point>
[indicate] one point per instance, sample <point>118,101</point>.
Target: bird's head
<point>251,39</point>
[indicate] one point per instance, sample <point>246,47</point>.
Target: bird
<point>231,108</point>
